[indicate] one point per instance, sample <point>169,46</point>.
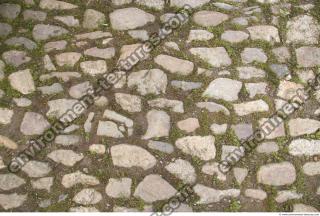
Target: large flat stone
<point>300,147</point>
<point>217,57</point>
<point>10,201</point>
<point>223,88</point>
<point>299,126</point>
<point>56,5</point>
<point>264,32</point>
<point>174,65</point>
<point>129,18</point>
<point>210,195</point>
<point>33,124</point>
<point>42,32</point>
<point>202,147</point>
<point>250,107</point>
<point>153,188</point>
<point>308,56</point>
<point>10,11</point>
<point>92,19</point>
<point>192,3</point>
<point>270,174</point>
<point>125,155</point>
<point>152,81</point>
<point>209,18</point>
<point>303,29</point>
<point>22,81</point>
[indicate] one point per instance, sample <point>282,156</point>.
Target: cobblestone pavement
<point>171,119</point>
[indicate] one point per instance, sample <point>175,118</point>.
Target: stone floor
<point>171,119</point>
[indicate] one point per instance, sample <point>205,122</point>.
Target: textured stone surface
<point>155,4</point>
<point>21,41</point>
<point>234,36</point>
<point>301,147</point>
<point>129,18</point>
<point>87,196</point>
<point>161,146</point>
<point>36,169</point>
<point>264,32</point>
<point>202,147</point>
<point>67,59</point>
<point>5,29</point>
<point>183,170</point>
<point>56,5</point>
<point>10,201</point>
<point>6,116</point>
<point>22,81</point>
<point>42,32</point>
<point>66,157</point>
<point>125,155</point>
<point>255,194</point>
<point>301,126</point>
<point>250,55</point>
<point>223,88</point>
<point>130,103</point>
<point>213,107</point>
<point>287,90</point>
<point>174,65</point>
<point>43,183</point>
<point>213,169</point>
<point>240,174</point>
<point>299,207</point>
<point>173,105</point>
<point>152,81</point>
<point>15,57</point>
<point>33,124</point>
<point>34,15</point>
<point>93,19</point>
<point>250,72</point>
<point>9,11</point>
<point>303,29</point>
<point>109,129</point>
<point>209,18</point>
<point>106,53</point>
<point>158,124</point>
<point>119,188</point>
<point>199,35</point>
<point>188,125</point>
<point>94,68</point>
<point>153,188</point>
<point>217,57</point>
<point>269,174</point>
<point>10,181</point>
<point>311,168</point>
<point>247,108</point>
<point>308,56</point>
<point>210,195</point>
<point>286,195</point>
<point>267,147</point>
<point>192,3</point>
<point>6,142</point>
<point>282,54</point>
<point>72,179</point>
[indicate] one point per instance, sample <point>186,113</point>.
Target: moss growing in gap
<point>235,205</point>
<point>137,203</point>
<point>316,9</point>
<point>266,11</point>
<point>231,138</point>
<point>272,206</point>
<point>8,90</point>
<point>175,134</point>
<point>204,120</point>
